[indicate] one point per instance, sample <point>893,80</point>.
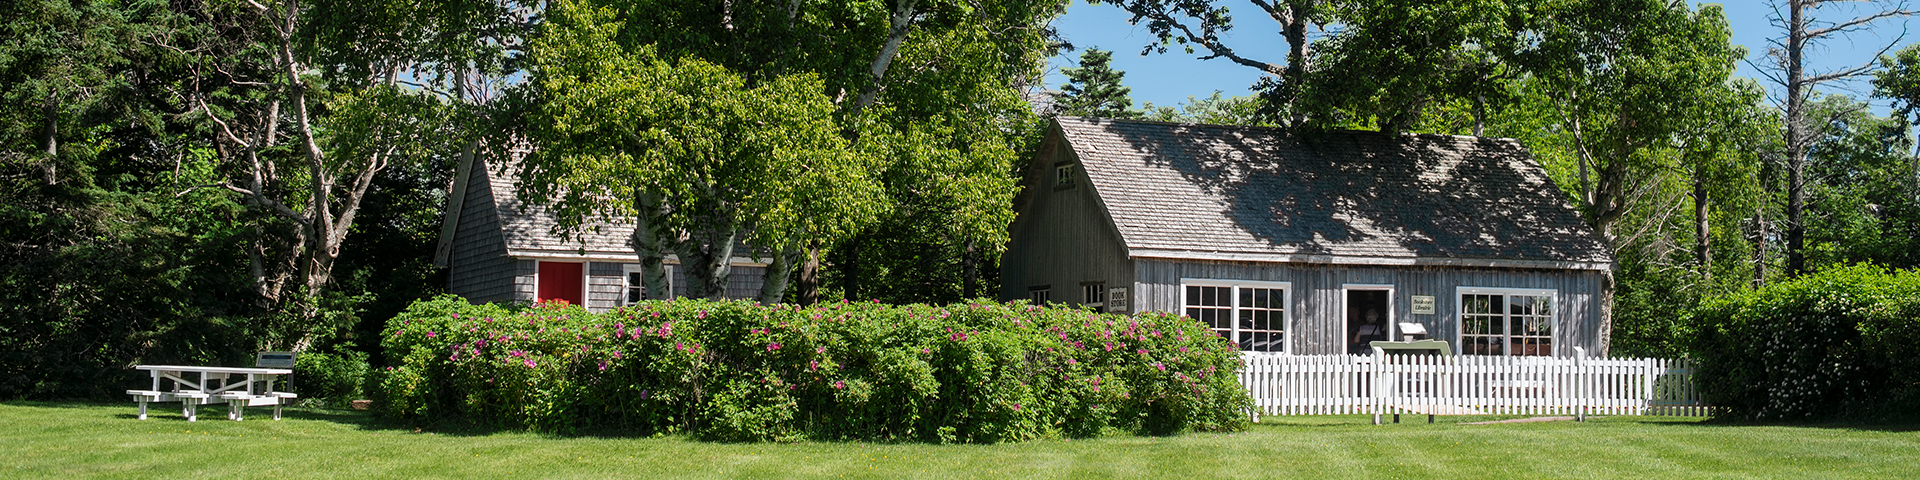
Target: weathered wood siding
<point>1063,238</point>
<point>478,267</point>
<point>604,286</point>
<point>1317,301</point>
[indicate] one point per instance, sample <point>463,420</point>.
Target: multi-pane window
<point>1063,175</point>
<point>1253,315</point>
<point>1039,295</point>
<point>1497,322</point>
<point>1093,294</point>
<point>634,289</point>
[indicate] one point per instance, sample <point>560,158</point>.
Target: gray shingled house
<point>497,249</point>
<point>1312,243</point>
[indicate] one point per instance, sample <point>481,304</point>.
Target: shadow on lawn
<point>1898,425</point>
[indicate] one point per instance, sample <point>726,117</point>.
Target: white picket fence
<point>1468,385</point>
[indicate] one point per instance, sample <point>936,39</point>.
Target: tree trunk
<point>810,276</point>
<point>649,244</point>
<point>1703,253</point>
<point>773,288</point>
<point>970,286</point>
<point>50,140</point>
<point>1759,248</point>
<point>1796,136</point>
<point>708,256</point>
<point>1296,33</point>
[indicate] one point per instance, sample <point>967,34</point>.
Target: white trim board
<point>1375,261</point>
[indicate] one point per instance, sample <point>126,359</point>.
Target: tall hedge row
<point>1843,343</point>
<point>981,372</point>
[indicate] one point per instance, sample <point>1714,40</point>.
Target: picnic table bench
<point>213,385</point>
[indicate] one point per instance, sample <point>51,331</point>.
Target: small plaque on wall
<point>1423,304</point>
<point>1117,299</point>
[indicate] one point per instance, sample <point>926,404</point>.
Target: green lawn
<point>69,440</point>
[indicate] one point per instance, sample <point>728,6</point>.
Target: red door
<point>560,281</point>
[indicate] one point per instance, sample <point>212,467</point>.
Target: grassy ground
<point>105,441</point>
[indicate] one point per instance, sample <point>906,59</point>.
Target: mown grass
<point>86,440</point>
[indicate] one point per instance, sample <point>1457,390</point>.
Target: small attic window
<point>1063,175</point>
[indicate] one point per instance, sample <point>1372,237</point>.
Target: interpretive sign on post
<point>274,360</point>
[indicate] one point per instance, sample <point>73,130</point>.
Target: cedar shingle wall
<point>478,267</point>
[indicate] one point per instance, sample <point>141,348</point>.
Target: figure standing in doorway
<point>1363,337</point>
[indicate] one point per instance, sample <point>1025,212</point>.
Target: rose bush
<point>981,372</point>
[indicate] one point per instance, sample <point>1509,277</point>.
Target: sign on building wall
<point>1117,299</point>
<point>1423,304</point>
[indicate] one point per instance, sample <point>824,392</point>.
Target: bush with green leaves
<point>972,373</point>
<point>1842,343</point>
<point>332,378</point>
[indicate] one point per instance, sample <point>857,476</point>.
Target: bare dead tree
<point>1802,33</point>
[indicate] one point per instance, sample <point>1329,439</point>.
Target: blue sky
<point>1168,79</point>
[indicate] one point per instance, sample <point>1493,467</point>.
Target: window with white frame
<point>1093,294</point>
<point>1251,314</point>
<point>633,286</point>
<point>1063,175</point>
<point>1039,295</point>
<point>1505,321</point>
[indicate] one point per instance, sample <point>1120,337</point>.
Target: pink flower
<point>430,335</point>
<point>1016,407</point>
<point>702,314</point>
<point>665,330</point>
<point>838,384</point>
<point>1073,362</point>
<point>773,346</point>
<point>813,365</point>
<point>1141,351</point>
<point>616,354</point>
<point>617,327</point>
<point>603,365</point>
<point>529,363</point>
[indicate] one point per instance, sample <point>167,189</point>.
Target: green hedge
<point>329,378</point>
<point>981,372</point>
<point>1843,343</point>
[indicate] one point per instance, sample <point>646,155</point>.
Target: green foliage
<point>1841,343</point>
<point>332,378</point>
<point>1863,206</point>
<point>1213,110</point>
<point>975,373</point>
<point>1093,89</point>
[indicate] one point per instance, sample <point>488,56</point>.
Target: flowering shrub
<point>738,371</point>
<point>1840,343</point>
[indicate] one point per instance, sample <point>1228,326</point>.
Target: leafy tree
<point>101,264</point>
<point>1204,24</point>
<point>696,156</point>
<point>1215,109</point>
<point>1393,60</point>
<point>929,88</point>
<point>1093,89</point>
<point>1860,207</point>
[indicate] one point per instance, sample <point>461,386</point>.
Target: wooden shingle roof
<point>1257,194</point>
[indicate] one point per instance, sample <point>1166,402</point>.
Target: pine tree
<point>1094,90</point>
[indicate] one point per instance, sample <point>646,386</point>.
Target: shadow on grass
<point>1895,425</point>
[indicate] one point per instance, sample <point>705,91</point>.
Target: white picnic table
<point>194,386</point>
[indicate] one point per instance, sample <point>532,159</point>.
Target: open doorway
<point>1368,320</point>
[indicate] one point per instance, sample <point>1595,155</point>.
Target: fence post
<point>1580,383</point>
<point>1377,371</point>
